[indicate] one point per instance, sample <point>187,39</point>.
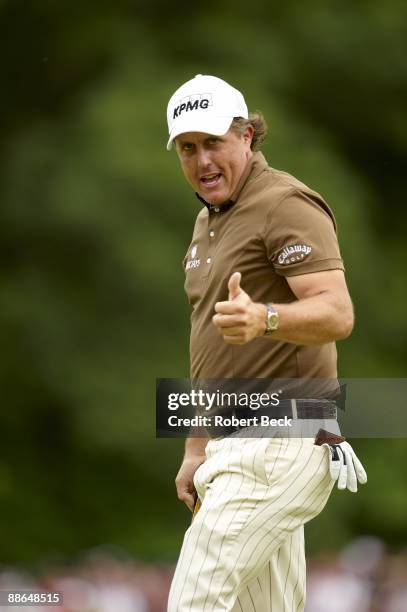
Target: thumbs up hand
<point>239,320</point>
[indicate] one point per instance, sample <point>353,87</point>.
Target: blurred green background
<point>96,218</point>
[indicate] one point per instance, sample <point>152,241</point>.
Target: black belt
<point>290,408</point>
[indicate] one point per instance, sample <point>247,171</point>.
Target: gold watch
<point>271,320</point>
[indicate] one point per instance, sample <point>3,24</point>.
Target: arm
<point>322,313</point>
<point>194,456</point>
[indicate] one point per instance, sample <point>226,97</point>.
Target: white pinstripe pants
<point>245,548</point>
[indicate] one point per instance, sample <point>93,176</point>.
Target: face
<point>213,165</point>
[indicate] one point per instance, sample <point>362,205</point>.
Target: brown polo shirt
<point>273,227</point>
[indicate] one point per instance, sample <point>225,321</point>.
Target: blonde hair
<point>259,125</point>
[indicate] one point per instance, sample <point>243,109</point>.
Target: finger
<point>343,471</point>
<point>351,483</point>
<point>229,308</point>
<point>228,321</point>
<point>188,499</point>
<point>360,470</point>
<point>190,505</point>
<point>234,285</point>
<point>334,462</point>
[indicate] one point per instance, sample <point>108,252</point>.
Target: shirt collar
<point>255,166</point>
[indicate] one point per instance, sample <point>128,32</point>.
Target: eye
<point>214,140</point>
<point>186,146</point>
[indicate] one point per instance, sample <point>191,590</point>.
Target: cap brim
<point>208,125</point>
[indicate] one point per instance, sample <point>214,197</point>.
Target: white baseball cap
<point>204,104</point>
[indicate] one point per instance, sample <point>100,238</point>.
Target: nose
<point>204,159</point>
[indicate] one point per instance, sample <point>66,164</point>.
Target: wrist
<point>262,319</point>
<point>195,448</point>
<point>193,460</point>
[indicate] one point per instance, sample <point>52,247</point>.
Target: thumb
<point>234,285</point>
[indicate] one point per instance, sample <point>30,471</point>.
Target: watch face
<point>272,319</point>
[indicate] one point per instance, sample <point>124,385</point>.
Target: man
<point>269,299</point>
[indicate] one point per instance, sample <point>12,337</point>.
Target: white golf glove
<point>345,467</point>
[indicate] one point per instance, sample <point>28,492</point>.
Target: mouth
<point>210,180</point>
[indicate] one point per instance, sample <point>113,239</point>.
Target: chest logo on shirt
<point>293,253</point>
<point>193,263</point>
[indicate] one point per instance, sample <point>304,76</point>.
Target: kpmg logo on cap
<point>193,102</point>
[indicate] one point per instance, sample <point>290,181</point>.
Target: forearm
<point>195,446</point>
<point>314,320</point>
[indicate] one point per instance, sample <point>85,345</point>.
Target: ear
<point>248,134</point>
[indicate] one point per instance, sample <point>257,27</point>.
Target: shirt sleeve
<point>300,236</point>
